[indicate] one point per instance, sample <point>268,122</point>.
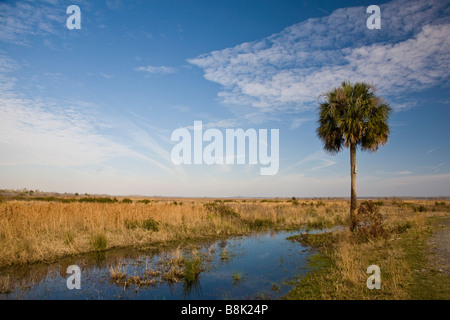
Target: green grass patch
<point>262,223</point>
<point>192,269</point>
<point>150,225</point>
<point>99,242</point>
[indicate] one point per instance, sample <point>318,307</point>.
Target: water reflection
<point>260,265</point>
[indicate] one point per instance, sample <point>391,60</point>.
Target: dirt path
<point>440,244</point>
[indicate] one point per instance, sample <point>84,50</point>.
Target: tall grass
<point>32,231</point>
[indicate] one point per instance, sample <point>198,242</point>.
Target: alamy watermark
<point>374,281</point>
<point>74,280</point>
<point>191,150</point>
<point>374,21</point>
<point>74,20</point>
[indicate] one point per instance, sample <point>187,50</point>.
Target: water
<point>257,266</point>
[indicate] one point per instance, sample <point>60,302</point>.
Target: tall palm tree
<point>351,116</point>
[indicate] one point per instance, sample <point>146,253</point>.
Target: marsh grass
<point>174,266</point>
<point>99,242</point>
<point>48,229</point>
<point>150,225</point>
<point>192,269</point>
<point>5,285</point>
<point>237,276</point>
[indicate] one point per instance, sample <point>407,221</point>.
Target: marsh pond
<point>262,265</point>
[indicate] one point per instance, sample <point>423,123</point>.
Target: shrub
<point>126,200</point>
<point>99,242</point>
<point>420,208</point>
<point>150,225</point>
<point>98,200</point>
<point>320,203</point>
<point>221,209</point>
<point>403,227</point>
<point>368,223</point>
<point>192,269</point>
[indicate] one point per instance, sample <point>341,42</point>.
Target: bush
<point>320,203</point>
<point>368,223</point>
<point>99,242</point>
<point>221,209</point>
<point>403,227</point>
<point>126,200</point>
<point>98,200</point>
<point>192,269</point>
<point>150,225</point>
<point>420,208</point>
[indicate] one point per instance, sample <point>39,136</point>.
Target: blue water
<point>267,263</point>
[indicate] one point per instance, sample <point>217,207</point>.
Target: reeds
<point>32,231</point>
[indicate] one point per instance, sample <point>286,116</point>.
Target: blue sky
<point>92,110</point>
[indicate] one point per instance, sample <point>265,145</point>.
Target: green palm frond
<point>353,114</point>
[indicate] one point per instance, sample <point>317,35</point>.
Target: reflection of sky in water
<point>262,260</point>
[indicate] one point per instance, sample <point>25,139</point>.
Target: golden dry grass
<point>32,231</point>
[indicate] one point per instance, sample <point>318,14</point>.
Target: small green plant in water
<point>192,269</point>
<point>276,287</point>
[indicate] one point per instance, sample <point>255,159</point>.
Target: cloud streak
<point>156,69</point>
<point>19,20</point>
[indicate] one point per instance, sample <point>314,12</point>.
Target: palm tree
<point>352,116</point>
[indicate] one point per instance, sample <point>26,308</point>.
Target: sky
<point>92,110</point>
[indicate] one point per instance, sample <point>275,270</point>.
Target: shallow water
<point>258,266</point>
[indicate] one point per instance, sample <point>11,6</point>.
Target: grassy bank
<point>403,254</point>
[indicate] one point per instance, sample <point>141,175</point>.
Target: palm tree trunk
<point>353,186</point>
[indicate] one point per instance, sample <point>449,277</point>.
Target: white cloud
<point>21,19</point>
<point>288,70</point>
<point>114,4</point>
<point>106,76</point>
<point>319,159</point>
<point>297,122</point>
<point>34,132</point>
<point>156,69</point>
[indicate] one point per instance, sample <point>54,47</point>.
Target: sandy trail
<point>440,243</point>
